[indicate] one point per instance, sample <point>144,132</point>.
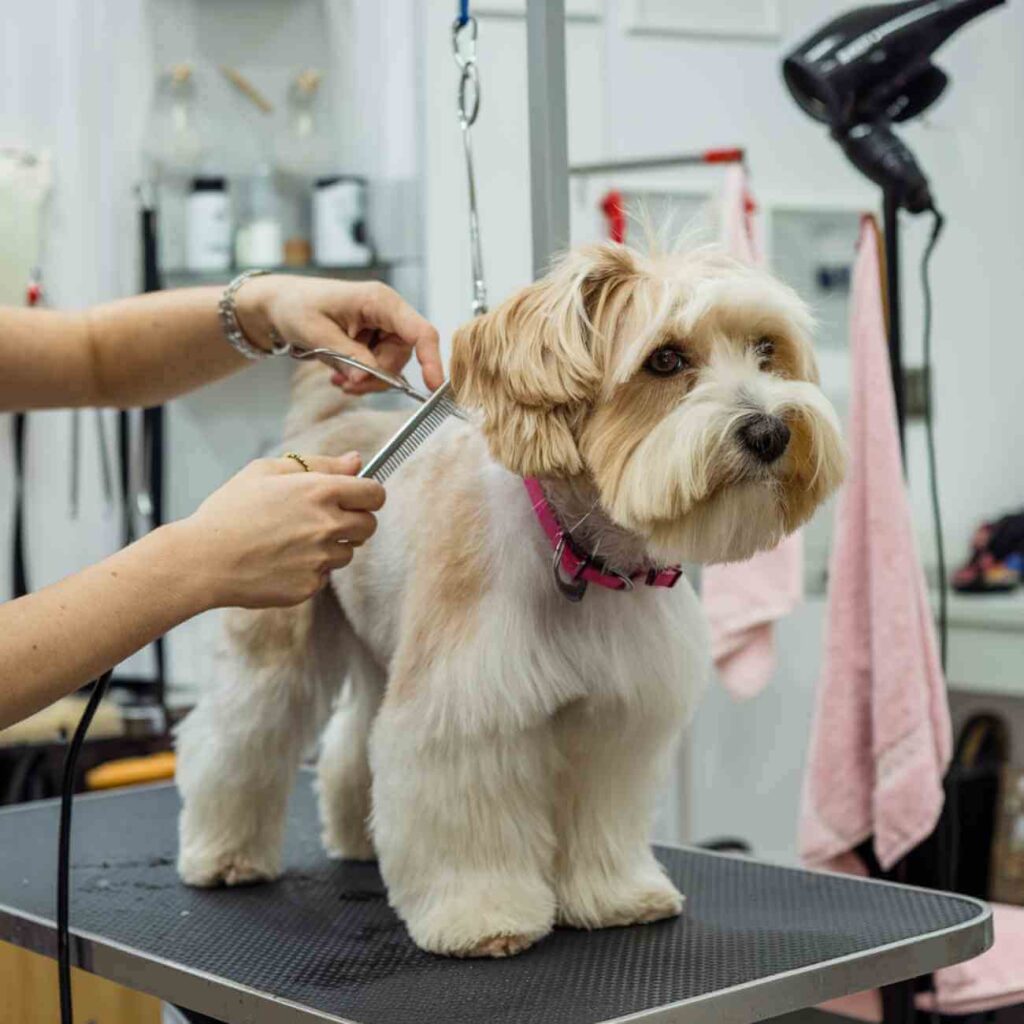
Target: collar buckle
<point>575,586</point>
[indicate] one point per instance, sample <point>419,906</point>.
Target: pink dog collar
<point>575,568</point>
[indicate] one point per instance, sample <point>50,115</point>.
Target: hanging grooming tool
<point>74,485</point>
<point>142,499</point>
<point>19,570</point>
<point>149,500</point>
<point>25,179</point>
<point>33,293</point>
<point>247,89</point>
<point>34,297</point>
<point>106,468</point>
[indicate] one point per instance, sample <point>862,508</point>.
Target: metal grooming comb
<point>434,413</point>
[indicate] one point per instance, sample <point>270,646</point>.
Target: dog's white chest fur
<point>513,648</point>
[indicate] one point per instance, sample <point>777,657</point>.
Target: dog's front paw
<point>497,946</point>
<point>482,918</point>
<point>602,902</point>
<point>237,867</point>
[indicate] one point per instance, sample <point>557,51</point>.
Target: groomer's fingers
<point>384,310</point>
<point>354,526</point>
<point>337,556</point>
<point>323,331</point>
<point>352,494</point>
<point>344,465</point>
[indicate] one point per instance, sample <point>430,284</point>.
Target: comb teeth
<point>413,433</point>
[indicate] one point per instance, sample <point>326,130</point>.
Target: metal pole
<point>892,274</point>
<point>549,150</point>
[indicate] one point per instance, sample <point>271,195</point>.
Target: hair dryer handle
<point>875,150</point>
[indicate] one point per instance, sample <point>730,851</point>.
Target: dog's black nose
<point>765,437</point>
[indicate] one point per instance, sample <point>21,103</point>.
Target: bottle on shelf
<point>339,222</point>
<point>208,225</point>
<point>259,238</point>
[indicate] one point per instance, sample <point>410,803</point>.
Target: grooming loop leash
<point>464,35</point>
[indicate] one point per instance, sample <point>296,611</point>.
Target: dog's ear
<point>534,364</point>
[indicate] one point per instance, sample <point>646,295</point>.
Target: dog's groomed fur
<point>496,746</point>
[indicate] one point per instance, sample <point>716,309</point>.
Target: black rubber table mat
<point>324,938</point>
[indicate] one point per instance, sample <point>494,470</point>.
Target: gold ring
<point>299,459</point>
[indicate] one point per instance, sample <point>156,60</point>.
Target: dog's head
<point>683,386</point>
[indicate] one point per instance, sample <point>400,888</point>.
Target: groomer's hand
<point>272,534</point>
<point>366,320</point>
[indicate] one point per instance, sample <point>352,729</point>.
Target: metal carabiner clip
<point>464,38</point>
<point>469,95</point>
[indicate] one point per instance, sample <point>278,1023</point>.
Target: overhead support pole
<point>549,149</point>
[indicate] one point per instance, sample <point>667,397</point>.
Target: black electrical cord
<point>67,795</point>
<point>929,427</point>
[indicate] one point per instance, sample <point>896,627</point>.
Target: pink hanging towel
<point>743,600</point>
<point>881,738</point>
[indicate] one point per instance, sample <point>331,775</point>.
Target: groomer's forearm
<point>56,640</point>
<point>134,352</point>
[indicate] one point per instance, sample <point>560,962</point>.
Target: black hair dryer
<point>871,67</point>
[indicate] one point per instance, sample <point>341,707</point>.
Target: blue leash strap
<point>463,16</point>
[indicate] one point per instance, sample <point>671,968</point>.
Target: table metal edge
<point>189,987</point>
<point>805,987</point>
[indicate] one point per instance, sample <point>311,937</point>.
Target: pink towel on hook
<point>743,600</point>
<point>881,739</point>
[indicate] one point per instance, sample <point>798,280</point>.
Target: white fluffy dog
<point>497,746</point>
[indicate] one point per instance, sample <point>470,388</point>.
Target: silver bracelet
<point>233,333</point>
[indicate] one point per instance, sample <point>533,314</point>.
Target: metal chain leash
<point>464,36</point>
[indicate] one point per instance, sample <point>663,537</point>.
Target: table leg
<point>898,1003</point>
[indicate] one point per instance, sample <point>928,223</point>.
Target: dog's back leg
<point>239,749</point>
<point>343,769</point>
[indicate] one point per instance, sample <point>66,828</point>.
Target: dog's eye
<point>764,348</point>
<point>666,362</point>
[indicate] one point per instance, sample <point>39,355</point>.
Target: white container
<point>339,223</point>
<point>259,241</point>
<point>259,244</point>
<point>208,226</point>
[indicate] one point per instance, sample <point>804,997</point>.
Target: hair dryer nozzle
<point>857,66</point>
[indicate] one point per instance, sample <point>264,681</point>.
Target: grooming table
<point>322,944</point>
